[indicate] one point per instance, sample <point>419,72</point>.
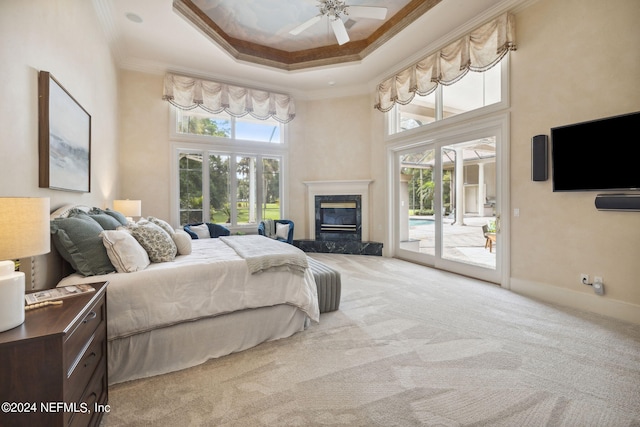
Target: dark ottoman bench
<point>328,284</point>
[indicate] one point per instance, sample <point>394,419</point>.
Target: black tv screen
<point>597,155</point>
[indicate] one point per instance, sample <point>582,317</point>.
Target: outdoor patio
<point>464,243</point>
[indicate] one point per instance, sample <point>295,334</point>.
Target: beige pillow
<point>124,251</point>
<point>183,242</point>
<point>201,230</point>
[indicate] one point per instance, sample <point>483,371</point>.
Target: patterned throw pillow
<point>157,242</point>
<point>162,224</point>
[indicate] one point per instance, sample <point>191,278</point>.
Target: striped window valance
<point>188,93</point>
<point>477,51</point>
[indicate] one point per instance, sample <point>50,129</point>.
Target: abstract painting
<point>64,138</point>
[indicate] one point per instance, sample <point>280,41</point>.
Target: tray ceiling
<point>258,30</point>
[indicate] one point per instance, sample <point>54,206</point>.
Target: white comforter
<point>212,280</point>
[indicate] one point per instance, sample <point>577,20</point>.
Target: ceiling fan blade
<point>309,23</point>
<point>340,31</point>
<point>366,12</point>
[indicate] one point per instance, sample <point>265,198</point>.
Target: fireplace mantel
<point>329,188</point>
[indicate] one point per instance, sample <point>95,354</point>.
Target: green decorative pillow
<point>157,242</point>
<point>106,221</point>
<point>117,215</point>
<point>77,239</point>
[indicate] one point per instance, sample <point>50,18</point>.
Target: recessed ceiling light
<point>331,83</point>
<point>134,17</point>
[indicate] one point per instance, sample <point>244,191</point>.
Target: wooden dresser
<point>53,367</point>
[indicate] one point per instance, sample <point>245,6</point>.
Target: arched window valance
<point>477,51</point>
<point>188,93</point>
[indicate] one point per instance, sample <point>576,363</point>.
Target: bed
<point>227,295</point>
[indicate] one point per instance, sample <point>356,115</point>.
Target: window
<point>473,92</point>
<point>190,170</point>
<point>228,170</point>
<point>223,125</point>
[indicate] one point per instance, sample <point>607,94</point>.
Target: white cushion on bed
<point>183,242</point>
<point>124,251</point>
<point>202,231</point>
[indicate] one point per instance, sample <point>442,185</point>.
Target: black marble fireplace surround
<point>338,225</point>
<point>338,218</point>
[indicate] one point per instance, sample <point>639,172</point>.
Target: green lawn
<point>272,211</point>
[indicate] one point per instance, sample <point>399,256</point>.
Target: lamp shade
<point>24,227</point>
<point>24,232</point>
<point>128,207</point>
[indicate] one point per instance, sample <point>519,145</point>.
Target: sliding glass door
<point>447,203</point>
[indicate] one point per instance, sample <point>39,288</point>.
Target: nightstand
<point>53,367</point>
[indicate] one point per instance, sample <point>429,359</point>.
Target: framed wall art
<point>64,133</point>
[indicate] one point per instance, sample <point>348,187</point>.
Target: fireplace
<point>338,217</point>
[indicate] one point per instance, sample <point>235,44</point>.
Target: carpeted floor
<point>409,346</point>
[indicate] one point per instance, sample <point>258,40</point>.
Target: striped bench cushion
<point>328,284</point>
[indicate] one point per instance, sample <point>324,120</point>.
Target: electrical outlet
<point>584,279</point>
<point>598,285</point>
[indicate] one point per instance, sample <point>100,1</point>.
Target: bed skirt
<point>188,344</point>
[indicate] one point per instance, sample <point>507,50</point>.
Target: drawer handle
<point>89,360</point>
<point>92,315</point>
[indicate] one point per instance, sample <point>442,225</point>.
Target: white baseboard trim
<point>579,300</point>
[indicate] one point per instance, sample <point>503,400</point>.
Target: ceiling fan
<point>334,9</point>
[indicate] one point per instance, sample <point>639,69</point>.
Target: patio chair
<point>489,236</point>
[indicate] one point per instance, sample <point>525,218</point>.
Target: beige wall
<point>64,38</point>
<point>577,60</point>
<point>144,143</point>
<point>329,140</point>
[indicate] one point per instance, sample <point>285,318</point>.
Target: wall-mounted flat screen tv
<point>597,155</point>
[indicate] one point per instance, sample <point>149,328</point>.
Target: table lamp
<point>24,232</point>
<point>128,208</point>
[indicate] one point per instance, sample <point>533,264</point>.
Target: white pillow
<point>282,231</point>
<point>63,211</point>
<point>183,242</point>
<point>201,230</point>
<point>124,251</point>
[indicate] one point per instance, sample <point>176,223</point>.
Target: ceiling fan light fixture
<point>333,10</point>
